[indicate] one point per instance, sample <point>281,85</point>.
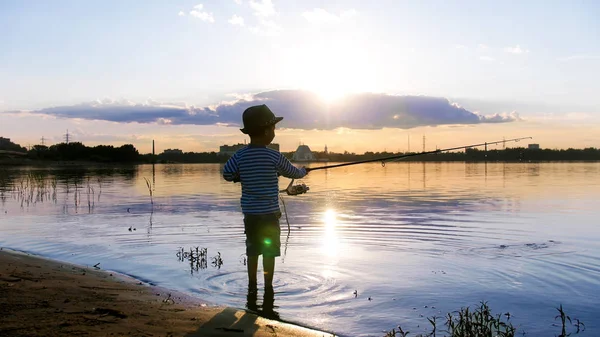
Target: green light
<point>268,242</point>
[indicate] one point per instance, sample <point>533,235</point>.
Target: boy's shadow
<point>267,309</point>
<point>229,321</point>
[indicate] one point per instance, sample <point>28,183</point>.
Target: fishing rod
<point>302,188</point>
<point>383,160</point>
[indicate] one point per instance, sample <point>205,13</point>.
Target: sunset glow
<point>379,73</point>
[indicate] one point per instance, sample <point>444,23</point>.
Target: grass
<point>480,322</point>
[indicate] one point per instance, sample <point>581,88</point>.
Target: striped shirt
<point>257,168</point>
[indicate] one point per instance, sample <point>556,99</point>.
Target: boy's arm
<point>231,170</point>
<point>286,169</point>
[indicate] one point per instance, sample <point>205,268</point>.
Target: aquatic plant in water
<point>217,261</point>
<point>197,257</point>
<point>482,323</point>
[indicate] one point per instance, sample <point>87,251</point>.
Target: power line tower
<point>423,143</point>
<point>409,143</point>
<point>503,143</point>
<point>43,140</point>
<point>67,137</point>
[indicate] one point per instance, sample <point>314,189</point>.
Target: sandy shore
<point>42,297</point>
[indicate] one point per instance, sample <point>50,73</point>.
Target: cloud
<point>202,15</point>
<point>236,20</point>
<point>164,121</point>
<point>263,8</point>
<point>124,111</point>
<point>580,57</point>
<point>301,110</point>
<point>267,28</point>
<point>516,50</point>
<point>239,2</point>
<point>578,116</point>
<point>181,13</point>
<point>487,58</point>
<point>321,16</point>
<point>501,118</point>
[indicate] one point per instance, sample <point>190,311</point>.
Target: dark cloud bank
<point>301,109</point>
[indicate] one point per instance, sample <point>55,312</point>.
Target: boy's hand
<point>236,178</point>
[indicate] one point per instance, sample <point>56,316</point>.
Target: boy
<point>257,168</point>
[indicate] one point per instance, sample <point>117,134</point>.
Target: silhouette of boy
<point>258,167</point>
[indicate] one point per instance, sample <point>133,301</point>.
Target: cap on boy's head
<point>258,117</point>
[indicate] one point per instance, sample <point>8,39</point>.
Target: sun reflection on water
<point>330,240</point>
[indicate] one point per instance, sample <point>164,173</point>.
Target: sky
<point>352,75</point>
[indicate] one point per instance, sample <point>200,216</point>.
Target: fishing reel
<point>295,189</point>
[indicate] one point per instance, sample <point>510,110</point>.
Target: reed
<point>32,188</point>
<point>99,187</point>
<point>75,198</point>
<point>54,183</point>
<point>90,196</point>
<point>149,185</point>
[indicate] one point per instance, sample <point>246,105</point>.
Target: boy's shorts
<point>262,234</point>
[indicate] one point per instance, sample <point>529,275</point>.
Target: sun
<point>330,94</point>
<point>333,69</point>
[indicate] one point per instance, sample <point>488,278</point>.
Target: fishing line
<point>290,190</point>
<point>287,238</point>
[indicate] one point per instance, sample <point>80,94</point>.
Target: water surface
<point>413,240</point>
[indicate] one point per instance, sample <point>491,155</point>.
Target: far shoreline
<point>91,164</point>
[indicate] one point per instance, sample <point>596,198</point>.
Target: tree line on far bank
<point>517,154</point>
<point>78,152</point>
<point>129,154</point>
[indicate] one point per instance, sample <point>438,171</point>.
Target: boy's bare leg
<point>252,269</point>
<point>269,269</point>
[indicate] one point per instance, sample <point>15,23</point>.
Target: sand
<point>42,297</point>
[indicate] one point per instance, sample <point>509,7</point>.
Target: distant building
<point>229,150</point>
<point>172,151</point>
<point>303,153</point>
<point>533,146</point>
